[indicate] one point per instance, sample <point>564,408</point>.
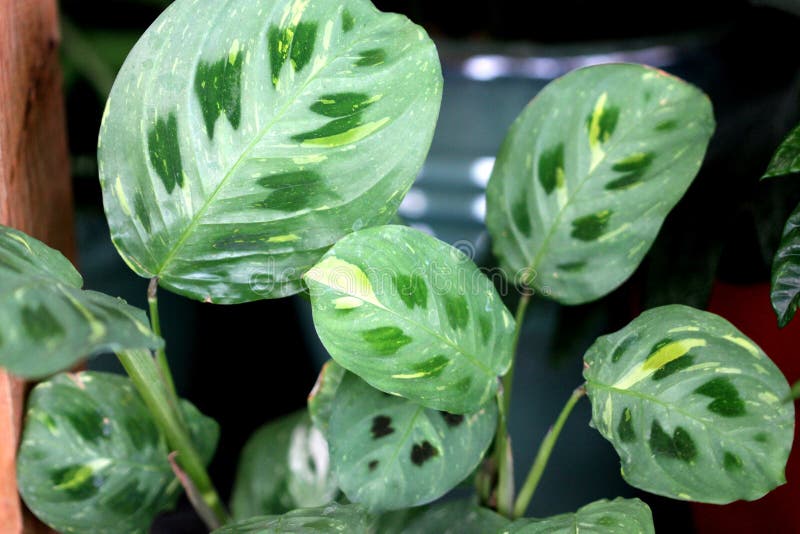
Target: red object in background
<point>749,309</point>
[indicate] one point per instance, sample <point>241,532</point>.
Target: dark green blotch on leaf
<point>727,401</point>
<point>141,211</point>
<point>386,340</point>
<point>432,367</point>
<point>412,290</point>
<point>457,311</point>
<point>165,151</point>
<point>296,43</point>
<point>521,217</point>
<point>623,347</point>
<point>666,126</point>
<point>572,267</point>
<point>609,117</point>
<point>732,462</point>
<point>422,452</point>
<point>679,446</point>
<point>452,420</point>
<point>625,427</point>
<point>76,481</point>
<point>373,465</point>
<point>633,169</point>
<point>551,168</point>
<point>294,191</point>
<point>370,58</point>
<point>341,104</point>
<point>40,324</point>
<point>219,89</point>
<point>486,327</point>
<point>673,367</point>
<point>381,426</point>
<point>591,227</point>
<point>348,22</point>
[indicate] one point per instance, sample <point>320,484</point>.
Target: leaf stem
<point>146,376</point>
<point>543,455</point>
<point>155,325</point>
<point>503,456</point>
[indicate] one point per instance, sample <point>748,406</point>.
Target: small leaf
<point>332,518</point>
<point>412,316</point>
<point>456,517</point>
<point>49,323</point>
<point>693,407</point>
<point>785,292</point>
<point>320,400</point>
<point>787,158</point>
<point>92,459</point>
<point>284,465</point>
<point>620,516</point>
<point>390,453</point>
<point>589,172</point>
<point>241,141</point>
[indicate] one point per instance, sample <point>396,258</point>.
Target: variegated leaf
<point>588,173</point>
<point>454,517</point>
<point>320,401</point>
<point>284,465</point>
<point>324,520</point>
<point>412,316</point>
<point>242,139</point>
<point>390,453</point>
<point>620,516</point>
<point>49,323</point>
<point>93,460</point>
<point>787,158</point>
<point>694,408</point>
<point>785,290</point>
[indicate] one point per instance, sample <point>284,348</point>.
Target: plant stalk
<point>543,455</point>
<point>146,376</point>
<point>155,325</point>
<point>503,456</point>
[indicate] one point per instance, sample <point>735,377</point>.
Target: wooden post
<point>35,188</point>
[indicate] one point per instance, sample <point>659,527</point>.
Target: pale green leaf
<point>412,316</point>
<point>588,173</point>
<point>347,519</point>
<point>320,400</point>
<point>284,465</point>
<point>93,460</point>
<point>787,158</point>
<point>620,516</point>
<point>693,407</point>
<point>244,138</point>
<point>390,453</point>
<point>49,323</point>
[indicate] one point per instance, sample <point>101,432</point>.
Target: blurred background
<point>249,364</point>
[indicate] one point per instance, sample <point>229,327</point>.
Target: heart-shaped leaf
<point>243,139</point>
<point>390,453</point>
<point>320,400</point>
<point>785,292</point>
<point>693,407</point>
<point>588,173</point>
<point>93,460</point>
<point>284,465</point>
<point>324,520</point>
<point>787,158</point>
<point>412,316</point>
<point>49,323</point>
<point>620,516</point>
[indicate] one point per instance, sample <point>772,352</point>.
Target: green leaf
<point>456,517</point>
<point>242,140</point>
<point>331,518</point>
<point>588,173</point>
<point>92,459</point>
<point>785,293</point>
<point>49,323</point>
<point>412,316</point>
<point>320,400</point>
<point>620,516</point>
<point>390,453</point>
<point>693,407</point>
<point>284,465</point>
<point>787,158</point>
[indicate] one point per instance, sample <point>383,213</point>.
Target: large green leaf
<point>412,316</point>
<point>693,407</point>
<point>787,158</point>
<point>49,323</point>
<point>455,517</point>
<point>332,518</point>
<point>244,138</point>
<point>588,173</point>
<point>620,516</point>
<point>284,465</point>
<point>785,293</point>
<point>390,453</point>
<point>320,400</point>
<point>93,460</point>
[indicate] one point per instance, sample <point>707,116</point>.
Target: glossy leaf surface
<point>693,407</point>
<point>284,465</point>
<point>787,158</point>
<point>412,316</point>
<point>242,139</point>
<point>390,453</point>
<point>588,173</point>
<point>93,460</point>
<point>49,323</point>
<point>320,400</point>
<point>332,518</point>
<point>785,292</point>
<point>620,516</point>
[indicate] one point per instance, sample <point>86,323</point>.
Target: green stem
<point>543,455</point>
<point>503,457</point>
<point>146,376</point>
<point>155,325</point>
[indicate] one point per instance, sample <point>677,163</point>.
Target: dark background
<point>248,364</point>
